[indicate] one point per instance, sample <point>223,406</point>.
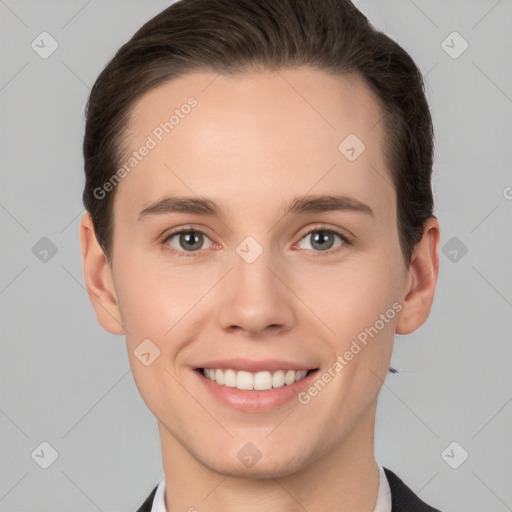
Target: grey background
<point>66,381</point>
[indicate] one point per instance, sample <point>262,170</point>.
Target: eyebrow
<point>302,204</point>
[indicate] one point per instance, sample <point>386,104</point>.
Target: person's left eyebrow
<point>302,204</point>
<point>328,203</point>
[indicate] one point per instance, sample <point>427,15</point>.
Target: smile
<point>260,381</point>
<point>256,391</point>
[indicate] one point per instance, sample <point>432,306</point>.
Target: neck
<point>343,479</point>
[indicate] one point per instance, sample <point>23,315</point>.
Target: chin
<point>249,462</point>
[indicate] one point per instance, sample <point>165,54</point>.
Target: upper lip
<point>249,365</point>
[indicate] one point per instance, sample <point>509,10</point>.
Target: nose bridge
<point>254,297</point>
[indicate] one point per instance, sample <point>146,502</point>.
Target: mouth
<point>254,381</point>
<point>254,391</point>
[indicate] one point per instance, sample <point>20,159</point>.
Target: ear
<point>421,284</point>
<point>98,278</point>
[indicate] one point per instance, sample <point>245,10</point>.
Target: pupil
<point>191,241</point>
<point>321,237</point>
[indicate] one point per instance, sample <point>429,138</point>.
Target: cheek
<point>350,298</point>
<point>155,303</point>
<point>359,304</point>
<point>154,297</point>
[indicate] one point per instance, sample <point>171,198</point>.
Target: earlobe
<point>98,278</point>
<point>423,273</point>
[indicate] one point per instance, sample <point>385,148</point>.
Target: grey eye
<point>187,240</point>
<point>322,239</point>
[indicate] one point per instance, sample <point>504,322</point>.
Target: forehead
<point>283,130</point>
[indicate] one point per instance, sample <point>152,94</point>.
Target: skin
<point>254,143</point>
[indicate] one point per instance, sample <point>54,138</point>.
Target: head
<point>298,125</point>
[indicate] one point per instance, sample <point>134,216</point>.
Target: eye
<point>186,240</point>
<point>189,242</point>
<point>321,240</point>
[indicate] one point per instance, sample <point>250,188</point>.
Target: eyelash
<point>195,254</point>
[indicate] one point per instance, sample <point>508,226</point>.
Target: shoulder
<point>148,504</point>
<point>402,498</point>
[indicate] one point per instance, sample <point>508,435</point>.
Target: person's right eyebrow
<point>302,204</point>
<point>182,204</point>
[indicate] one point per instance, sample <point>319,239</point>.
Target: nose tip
<point>254,327</point>
<point>254,300</point>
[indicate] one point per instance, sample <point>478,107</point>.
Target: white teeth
<point>229,378</point>
<point>260,381</point>
<point>219,376</point>
<point>244,380</point>
<point>278,379</point>
<point>289,377</point>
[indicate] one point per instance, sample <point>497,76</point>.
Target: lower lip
<point>256,401</point>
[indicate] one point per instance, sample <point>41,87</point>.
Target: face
<point>253,238</point>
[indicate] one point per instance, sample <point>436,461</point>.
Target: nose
<point>255,299</point>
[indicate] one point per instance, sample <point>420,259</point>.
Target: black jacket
<point>402,498</point>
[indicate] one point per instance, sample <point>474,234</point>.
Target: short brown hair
<point>233,36</point>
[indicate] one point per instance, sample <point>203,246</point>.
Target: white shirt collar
<point>159,499</point>
<point>383,497</point>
